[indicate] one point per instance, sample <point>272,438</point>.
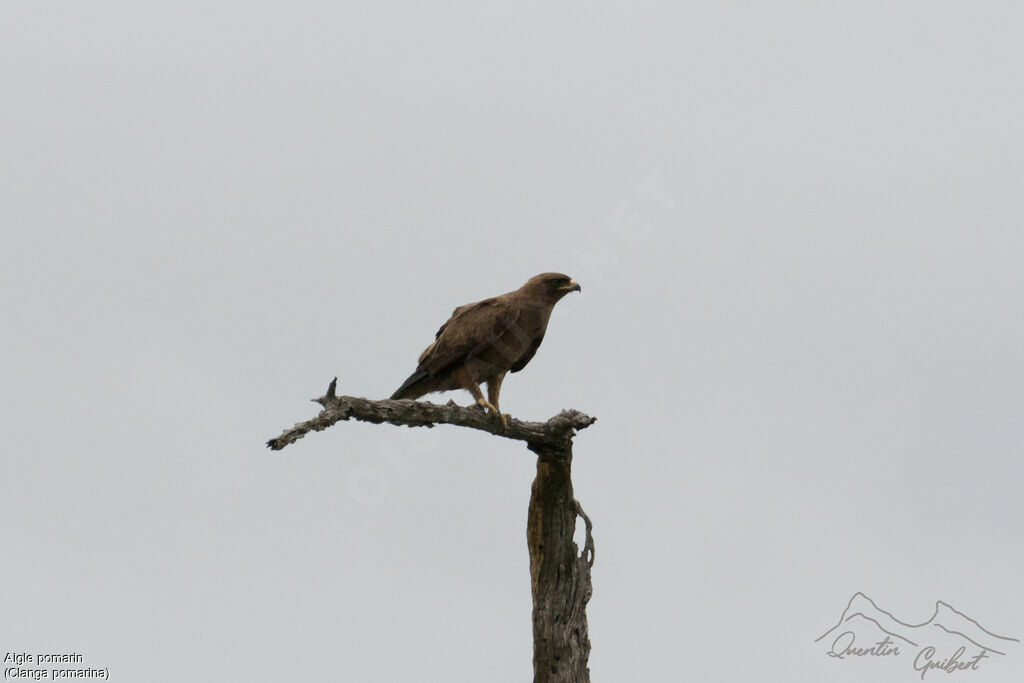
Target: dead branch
<point>560,573</point>
<point>558,431</point>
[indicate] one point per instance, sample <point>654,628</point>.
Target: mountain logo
<point>949,641</point>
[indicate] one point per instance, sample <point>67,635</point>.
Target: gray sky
<point>798,230</point>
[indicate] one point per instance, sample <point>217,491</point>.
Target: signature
<point>949,641</point>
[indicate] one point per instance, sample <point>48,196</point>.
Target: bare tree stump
<point>559,572</point>
<point>560,576</point>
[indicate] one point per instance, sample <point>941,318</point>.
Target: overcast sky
<point>799,233</point>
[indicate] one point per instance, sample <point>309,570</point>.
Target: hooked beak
<point>573,286</point>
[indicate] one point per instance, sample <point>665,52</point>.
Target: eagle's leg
<point>493,389</point>
<point>466,381</point>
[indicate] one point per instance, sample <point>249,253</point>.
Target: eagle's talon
<point>489,407</point>
<point>486,405</point>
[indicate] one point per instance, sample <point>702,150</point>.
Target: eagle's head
<point>550,287</point>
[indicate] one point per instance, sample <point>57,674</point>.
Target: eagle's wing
<point>527,355</point>
<point>471,329</point>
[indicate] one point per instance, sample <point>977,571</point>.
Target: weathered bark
<point>406,412</point>
<point>560,574</point>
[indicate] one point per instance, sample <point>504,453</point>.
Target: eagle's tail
<point>415,386</point>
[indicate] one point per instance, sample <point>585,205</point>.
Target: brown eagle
<point>484,340</point>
